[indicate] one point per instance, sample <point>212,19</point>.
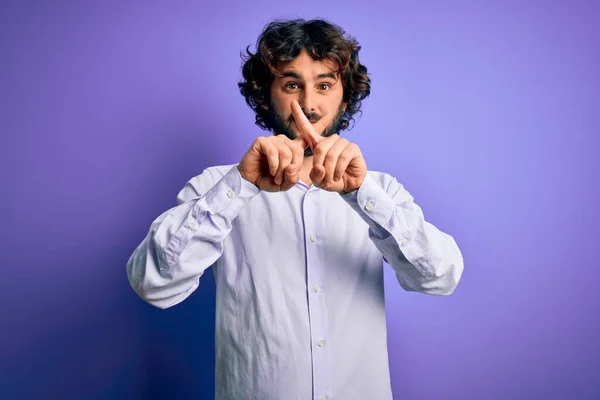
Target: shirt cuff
<point>230,194</point>
<point>373,202</point>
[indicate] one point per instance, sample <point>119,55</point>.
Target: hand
<point>273,163</point>
<point>338,164</point>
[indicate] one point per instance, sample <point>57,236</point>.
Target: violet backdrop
<point>488,113</point>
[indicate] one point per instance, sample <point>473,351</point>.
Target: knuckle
<point>283,139</point>
<point>285,154</point>
<point>271,151</point>
<point>330,157</point>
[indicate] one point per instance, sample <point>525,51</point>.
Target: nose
<point>307,101</point>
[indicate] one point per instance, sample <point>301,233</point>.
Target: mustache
<point>311,116</point>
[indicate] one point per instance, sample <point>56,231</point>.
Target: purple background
<point>486,112</point>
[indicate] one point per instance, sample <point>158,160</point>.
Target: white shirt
<point>299,279</point>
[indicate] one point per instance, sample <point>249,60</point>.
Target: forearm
<point>424,258</point>
<point>186,240</point>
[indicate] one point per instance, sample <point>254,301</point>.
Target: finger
<point>320,152</point>
<point>332,157</point>
<point>317,173</point>
<point>297,149</point>
<point>285,157</point>
<point>302,142</point>
<point>350,152</point>
<point>319,127</point>
<point>269,150</point>
<point>304,126</point>
<point>292,172</point>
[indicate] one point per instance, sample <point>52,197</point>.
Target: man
<point>297,233</point>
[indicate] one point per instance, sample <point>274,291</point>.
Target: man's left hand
<point>338,164</point>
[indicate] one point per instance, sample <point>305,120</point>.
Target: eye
<point>291,85</point>
<point>324,86</point>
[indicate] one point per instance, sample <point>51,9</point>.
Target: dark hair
<point>281,42</point>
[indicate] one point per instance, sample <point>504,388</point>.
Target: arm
<point>425,259</point>
<point>187,239</point>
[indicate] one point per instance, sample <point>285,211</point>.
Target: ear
<point>265,106</point>
<point>344,105</point>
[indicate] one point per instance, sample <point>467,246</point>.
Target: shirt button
<point>369,205</point>
<point>404,242</point>
<point>321,343</point>
<point>191,224</point>
<point>317,288</point>
<point>230,193</point>
<point>323,397</point>
<point>313,238</point>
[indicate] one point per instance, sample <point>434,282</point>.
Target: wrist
<point>353,188</point>
<point>243,176</point>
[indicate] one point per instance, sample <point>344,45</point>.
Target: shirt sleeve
<point>424,258</point>
<point>187,239</point>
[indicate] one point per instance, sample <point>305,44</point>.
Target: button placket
<point>317,305</point>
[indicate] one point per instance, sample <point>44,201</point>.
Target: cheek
<point>278,93</point>
<point>281,100</point>
<point>334,107</point>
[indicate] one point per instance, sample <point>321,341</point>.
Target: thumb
<point>292,169</point>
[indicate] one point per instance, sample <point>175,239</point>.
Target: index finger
<point>307,130</point>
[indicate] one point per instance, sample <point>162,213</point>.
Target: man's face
<point>316,87</point>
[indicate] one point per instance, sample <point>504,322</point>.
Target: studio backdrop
<point>487,112</point>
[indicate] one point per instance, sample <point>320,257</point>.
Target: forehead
<point>307,67</point>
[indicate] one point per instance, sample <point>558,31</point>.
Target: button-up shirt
<point>299,279</point>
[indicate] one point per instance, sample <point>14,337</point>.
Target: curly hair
<point>281,42</point>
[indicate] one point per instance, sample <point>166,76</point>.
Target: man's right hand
<point>273,163</point>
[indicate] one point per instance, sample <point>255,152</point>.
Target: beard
<point>283,126</point>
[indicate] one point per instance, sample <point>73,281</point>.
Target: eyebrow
<point>295,75</point>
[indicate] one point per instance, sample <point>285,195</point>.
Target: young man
<point>297,233</point>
